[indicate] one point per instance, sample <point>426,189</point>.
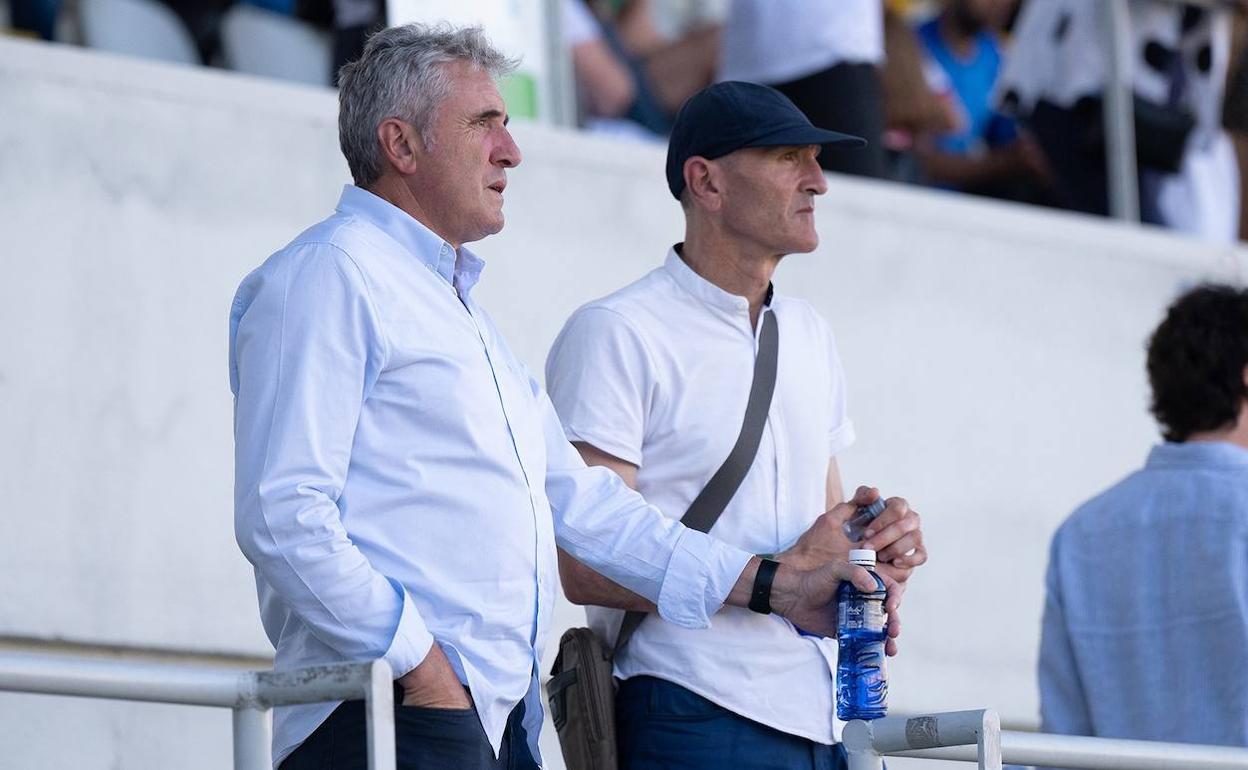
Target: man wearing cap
<point>652,381</point>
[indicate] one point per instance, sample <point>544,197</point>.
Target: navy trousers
<point>664,726</point>
<point>425,739</point>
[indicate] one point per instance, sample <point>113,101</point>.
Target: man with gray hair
<point>401,481</point>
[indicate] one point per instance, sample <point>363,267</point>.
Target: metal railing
<point>866,743</point>
<point>976,736</point>
<point>249,694</point>
<point>969,736</point>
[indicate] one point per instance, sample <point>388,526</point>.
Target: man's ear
<point>702,179</point>
<point>400,144</point>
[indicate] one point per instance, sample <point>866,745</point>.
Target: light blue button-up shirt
<point>1146,619</point>
<point>400,478</point>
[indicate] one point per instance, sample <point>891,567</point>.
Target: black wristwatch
<point>760,597</point>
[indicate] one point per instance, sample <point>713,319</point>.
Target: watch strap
<point>760,597</point>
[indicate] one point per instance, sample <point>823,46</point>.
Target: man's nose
<point>506,152</point>
<point>816,180</point>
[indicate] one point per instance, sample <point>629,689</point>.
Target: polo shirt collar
<point>461,270</point>
<point>733,305</point>
<point>1198,454</point>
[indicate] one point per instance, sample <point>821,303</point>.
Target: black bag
<point>581,690</point>
<point>1161,131</point>
<point>582,701</point>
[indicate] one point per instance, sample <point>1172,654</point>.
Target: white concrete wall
<point>994,357</point>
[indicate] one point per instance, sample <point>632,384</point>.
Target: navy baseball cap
<point>732,115</point>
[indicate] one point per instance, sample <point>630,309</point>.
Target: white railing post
<point>253,739</point>
<point>1119,113</point>
<point>866,742</point>
<point>561,80</point>
<point>379,705</point>
<point>249,695</point>
<point>859,751</point>
<point>374,681</point>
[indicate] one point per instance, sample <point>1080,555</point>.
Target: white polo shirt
<point>658,374</point>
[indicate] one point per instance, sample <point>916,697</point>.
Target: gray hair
<point>401,74</point>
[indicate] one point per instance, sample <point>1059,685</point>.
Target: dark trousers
<point>663,725</point>
<point>425,739</point>
<point>847,98</point>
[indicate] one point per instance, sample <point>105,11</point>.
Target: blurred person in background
<point>825,56</point>
<point>1054,80</point>
<point>663,411</point>
<point>916,96</point>
<point>631,77</point>
<point>349,22</point>
<point>34,17</point>
<point>1156,648</point>
<point>203,19</point>
<point>985,153</point>
<point>352,21</point>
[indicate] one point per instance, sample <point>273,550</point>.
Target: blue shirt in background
<point>1145,631</point>
<point>973,81</point>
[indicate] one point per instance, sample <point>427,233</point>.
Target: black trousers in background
<point>425,739</point>
<point>848,98</point>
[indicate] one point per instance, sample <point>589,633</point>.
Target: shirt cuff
<point>412,640</point>
<point>699,577</point>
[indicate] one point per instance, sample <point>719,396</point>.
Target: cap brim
<point>799,136</point>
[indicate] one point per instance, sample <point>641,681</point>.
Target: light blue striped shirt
<point>400,478</point>
<point>1146,619</point>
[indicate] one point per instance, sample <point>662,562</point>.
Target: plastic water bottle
<point>861,630</point>
<point>857,524</point>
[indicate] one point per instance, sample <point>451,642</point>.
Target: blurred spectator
<point>350,22</point>
<point>1054,79</point>
<point>1145,631</point>
<point>37,17</point>
<point>823,55</point>
<point>614,95</point>
<point>631,79</point>
<point>985,153</point>
<point>674,18</point>
<point>203,19</point>
<point>677,64</point>
<point>1002,14</point>
<point>353,21</point>
<point>916,102</point>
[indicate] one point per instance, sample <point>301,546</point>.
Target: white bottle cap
<point>862,556</point>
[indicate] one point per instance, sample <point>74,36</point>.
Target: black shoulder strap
<point>711,501</point>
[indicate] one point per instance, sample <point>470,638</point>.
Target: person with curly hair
<point>1156,646</point>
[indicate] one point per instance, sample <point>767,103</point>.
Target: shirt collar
<point>705,291</point>
<point>1193,454</point>
<point>461,270</point>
